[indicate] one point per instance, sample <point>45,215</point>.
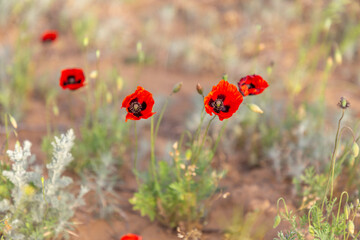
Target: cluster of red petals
<point>72,78</point>
<point>139,104</point>
<point>131,236</point>
<point>252,85</point>
<point>49,36</point>
<point>223,100</point>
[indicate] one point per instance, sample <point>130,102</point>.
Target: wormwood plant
<point>40,208</point>
<point>328,218</point>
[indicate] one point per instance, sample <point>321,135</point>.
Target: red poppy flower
<point>223,100</point>
<point>72,78</point>
<point>139,104</point>
<point>131,236</point>
<point>49,36</point>
<point>252,85</point>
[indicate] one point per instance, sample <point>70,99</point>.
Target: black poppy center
<point>71,80</point>
<point>218,104</point>
<point>250,86</point>
<point>136,108</point>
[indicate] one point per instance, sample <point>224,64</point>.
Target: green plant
<point>180,191</point>
<point>327,218</point>
<point>245,226</point>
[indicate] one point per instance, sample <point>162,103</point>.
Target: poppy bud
<point>199,89</point>
<point>255,108</point>
<point>177,87</point>
<point>56,110</point>
<point>355,149</point>
<point>351,227</point>
<point>138,46</point>
<point>97,54</point>
<point>86,41</point>
<point>311,230</point>
<point>225,77</point>
<point>108,97</point>
<point>347,211</point>
<point>338,57</point>
<point>277,221</point>
<point>13,121</point>
<point>94,74</point>
<point>119,83</point>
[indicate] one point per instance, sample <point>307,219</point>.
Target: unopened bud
<point>338,57</point>
<point>86,41</point>
<point>97,54</point>
<point>13,121</point>
<point>138,46</point>
<point>277,221</point>
<point>108,97</point>
<point>347,211</point>
<point>199,89</point>
<point>351,227</point>
<point>93,74</point>
<point>255,108</point>
<point>355,149</point>
<point>311,230</point>
<point>56,110</point>
<point>177,87</point>
<point>119,83</point>
<point>225,77</point>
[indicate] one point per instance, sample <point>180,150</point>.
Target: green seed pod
<point>277,221</point>
<point>177,87</point>
<point>351,227</point>
<point>355,149</point>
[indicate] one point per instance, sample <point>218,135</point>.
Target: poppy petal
<point>138,104</point>
<point>131,236</point>
<point>223,100</point>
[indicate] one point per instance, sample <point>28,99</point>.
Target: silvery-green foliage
<point>47,206</point>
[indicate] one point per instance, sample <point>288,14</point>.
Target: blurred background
<point>308,52</point>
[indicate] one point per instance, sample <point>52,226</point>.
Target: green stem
<point>136,154</point>
<point>153,164</point>
<point>347,199</point>
<point>277,204</point>
<point>219,137</point>
<point>161,116</point>
<point>333,159</point>
<point>203,140</point>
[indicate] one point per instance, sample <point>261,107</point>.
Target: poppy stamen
<point>218,104</point>
<point>136,108</point>
<point>72,79</point>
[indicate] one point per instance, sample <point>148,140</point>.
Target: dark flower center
<point>250,86</point>
<point>71,80</point>
<point>135,107</point>
<point>218,104</point>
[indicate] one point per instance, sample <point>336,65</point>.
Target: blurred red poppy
<point>139,104</point>
<point>131,236</point>
<point>72,78</point>
<point>252,85</point>
<point>49,36</point>
<point>223,100</point>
